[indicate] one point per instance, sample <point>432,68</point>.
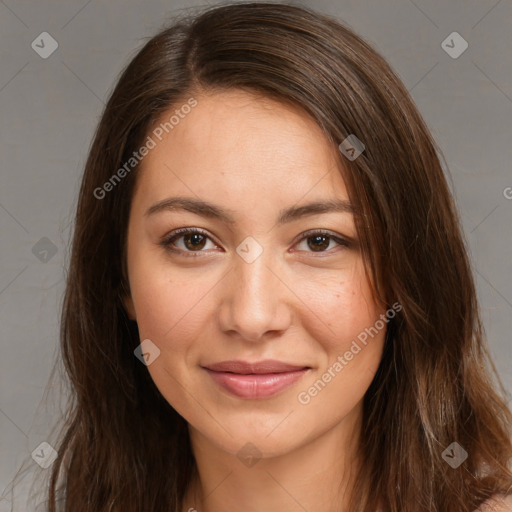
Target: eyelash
<point>168,241</point>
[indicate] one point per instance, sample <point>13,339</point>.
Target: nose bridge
<point>256,303</point>
<point>255,279</point>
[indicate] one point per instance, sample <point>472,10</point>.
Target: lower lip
<point>255,386</point>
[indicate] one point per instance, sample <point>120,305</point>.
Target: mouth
<point>255,380</point>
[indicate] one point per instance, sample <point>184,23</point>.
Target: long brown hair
<point>123,447</point>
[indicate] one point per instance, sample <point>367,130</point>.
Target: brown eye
<point>320,241</point>
<point>194,241</point>
<point>186,240</point>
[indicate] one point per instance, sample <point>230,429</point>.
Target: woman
<point>269,304</point>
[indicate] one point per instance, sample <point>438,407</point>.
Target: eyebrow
<point>209,210</point>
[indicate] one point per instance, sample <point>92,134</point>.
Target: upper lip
<point>261,367</point>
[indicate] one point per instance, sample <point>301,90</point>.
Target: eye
<point>194,240</point>
<point>320,240</point>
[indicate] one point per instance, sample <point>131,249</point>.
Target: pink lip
<point>255,380</point>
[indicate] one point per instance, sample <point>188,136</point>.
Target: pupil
<point>195,238</point>
<point>319,238</point>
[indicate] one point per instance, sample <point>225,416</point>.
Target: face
<point>255,276</point>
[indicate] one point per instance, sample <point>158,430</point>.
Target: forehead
<point>236,142</point>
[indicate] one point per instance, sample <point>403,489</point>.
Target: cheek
<point>173,307</point>
<point>168,311</point>
<point>352,349</point>
<point>171,313</point>
<point>341,317</point>
<point>167,301</point>
<point>337,308</point>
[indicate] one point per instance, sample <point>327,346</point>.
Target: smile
<point>255,381</point>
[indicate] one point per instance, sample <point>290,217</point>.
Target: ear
<point>129,307</point>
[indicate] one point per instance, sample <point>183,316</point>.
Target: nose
<point>255,299</point>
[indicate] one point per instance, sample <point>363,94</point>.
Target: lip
<point>259,367</point>
<point>255,380</point>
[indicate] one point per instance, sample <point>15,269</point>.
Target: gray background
<point>50,107</point>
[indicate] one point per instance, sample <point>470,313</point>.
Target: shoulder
<point>498,503</point>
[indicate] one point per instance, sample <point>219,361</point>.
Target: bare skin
<point>303,300</point>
